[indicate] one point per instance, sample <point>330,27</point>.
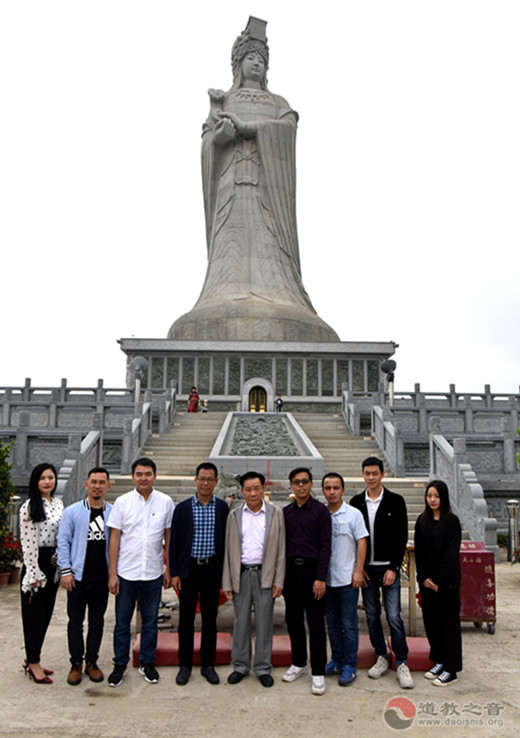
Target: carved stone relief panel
<point>219,375</point>
<point>281,376</point>
<point>69,418</point>
<point>488,423</point>
<point>38,418</point>
<point>452,423</point>
<point>312,377</point>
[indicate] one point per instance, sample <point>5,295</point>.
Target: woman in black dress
<point>437,545</point>
<point>39,519</point>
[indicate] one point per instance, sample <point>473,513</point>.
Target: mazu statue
<point>253,288</point>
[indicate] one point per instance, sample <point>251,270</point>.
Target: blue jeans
<point>149,595</point>
<point>342,624</point>
<point>392,603</point>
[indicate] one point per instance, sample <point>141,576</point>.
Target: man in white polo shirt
<point>254,570</point>
<point>139,522</point>
<point>345,577</point>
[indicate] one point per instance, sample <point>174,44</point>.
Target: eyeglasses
<point>204,480</point>
<point>300,482</point>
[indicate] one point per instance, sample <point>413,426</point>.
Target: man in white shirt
<point>140,520</point>
<point>385,516</point>
<point>254,570</point>
<point>345,577</point>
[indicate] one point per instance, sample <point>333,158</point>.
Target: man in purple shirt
<point>308,536</point>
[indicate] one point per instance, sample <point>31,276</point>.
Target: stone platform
<point>308,375</point>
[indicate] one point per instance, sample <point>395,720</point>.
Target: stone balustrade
<point>73,427</point>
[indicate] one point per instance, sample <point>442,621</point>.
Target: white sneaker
<point>318,685</point>
<point>404,677</point>
<point>294,672</point>
<point>379,669</point>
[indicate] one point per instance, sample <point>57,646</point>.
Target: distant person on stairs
<point>193,400</point>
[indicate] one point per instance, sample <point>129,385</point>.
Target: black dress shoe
<point>235,677</point>
<point>210,674</point>
<point>183,675</point>
<point>266,680</point>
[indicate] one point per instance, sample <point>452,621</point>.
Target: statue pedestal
<point>249,375</point>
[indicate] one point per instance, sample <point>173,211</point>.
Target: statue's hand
<point>248,130</point>
<point>224,132</point>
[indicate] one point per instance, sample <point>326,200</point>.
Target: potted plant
<point>9,547</point>
<point>10,555</point>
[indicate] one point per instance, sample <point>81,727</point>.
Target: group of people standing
<point>318,556</point>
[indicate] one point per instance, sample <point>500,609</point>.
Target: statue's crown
<point>252,39</point>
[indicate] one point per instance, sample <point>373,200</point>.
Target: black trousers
<point>95,596</point>
<point>203,579</point>
<point>37,608</point>
<point>441,617</point>
<point>300,603</point>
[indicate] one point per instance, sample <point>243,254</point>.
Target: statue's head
<point>250,44</point>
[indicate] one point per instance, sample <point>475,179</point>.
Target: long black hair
<point>36,510</point>
<point>444,497</point>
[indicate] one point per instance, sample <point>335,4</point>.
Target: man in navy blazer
<point>196,562</point>
<point>387,522</point>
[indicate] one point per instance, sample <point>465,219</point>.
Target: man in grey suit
<point>254,570</point>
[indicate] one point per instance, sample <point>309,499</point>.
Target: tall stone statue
<point>253,288</point>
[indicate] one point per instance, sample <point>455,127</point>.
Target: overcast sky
<point>408,157</point>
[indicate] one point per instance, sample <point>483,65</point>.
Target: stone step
<point>191,437</point>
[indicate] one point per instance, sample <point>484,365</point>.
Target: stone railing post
<point>126,447</point>
<point>468,414</point>
<point>20,447</point>
<point>399,470</point>
<point>6,407</point>
<point>26,391</point>
<point>453,396</point>
<point>97,424</point>
<point>509,451</point>
<point>416,392</point>
<point>100,397</point>
<point>53,409</point>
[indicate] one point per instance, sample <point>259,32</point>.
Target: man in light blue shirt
<point>83,559</point>
<point>345,576</point>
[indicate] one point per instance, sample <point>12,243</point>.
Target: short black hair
<point>145,461</point>
<point>252,475</point>
<point>299,470</point>
<point>373,461</point>
<point>209,466</point>
<point>98,470</point>
<point>333,475</point>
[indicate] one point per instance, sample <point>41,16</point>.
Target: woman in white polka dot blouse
<point>39,519</point>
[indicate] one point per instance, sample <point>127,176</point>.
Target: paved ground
<point>484,702</point>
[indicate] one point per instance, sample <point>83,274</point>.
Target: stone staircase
<point>192,435</point>
<point>177,453</point>
<point>344,453</point>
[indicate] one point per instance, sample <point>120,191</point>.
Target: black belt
<point>302,560</point>
<point>250,567</point>
<point>203,561</point>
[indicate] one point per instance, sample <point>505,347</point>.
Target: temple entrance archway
<point>257,396</point>
<point>257,400</point>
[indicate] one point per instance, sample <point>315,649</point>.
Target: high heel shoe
<point>25,666</point>
<point>44,680</point>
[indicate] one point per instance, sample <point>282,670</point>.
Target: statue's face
<point>253,67</point>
